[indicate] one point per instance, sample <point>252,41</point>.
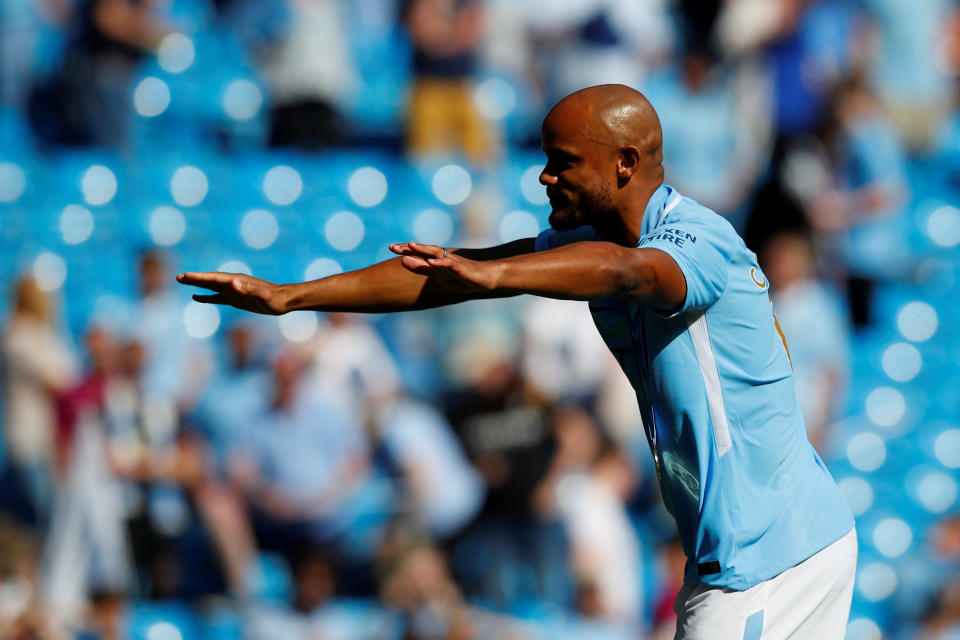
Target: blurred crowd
<point>476,472</point>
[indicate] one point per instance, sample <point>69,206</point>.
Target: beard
<point>590,209</point>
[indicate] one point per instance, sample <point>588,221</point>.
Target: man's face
<point>578,174</point>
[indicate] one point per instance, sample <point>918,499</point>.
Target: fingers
<point>417,265</point>
<point>417,249</point>
<point>213,298</point>
<point>430,250</point>
<point>213,280</point>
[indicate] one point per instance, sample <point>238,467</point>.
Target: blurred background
<point>174,471</point>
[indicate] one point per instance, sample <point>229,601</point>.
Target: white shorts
<point>810,600</point>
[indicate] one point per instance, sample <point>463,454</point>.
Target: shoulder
<point>690,212</point>
<point>690,223</point>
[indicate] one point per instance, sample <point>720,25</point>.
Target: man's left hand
<point>447,268</point>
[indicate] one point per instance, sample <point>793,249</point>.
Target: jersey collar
<point>665,196</point>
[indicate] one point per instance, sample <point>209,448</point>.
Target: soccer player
<point>683,305</point>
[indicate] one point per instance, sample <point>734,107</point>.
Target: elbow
<point>633,279</point>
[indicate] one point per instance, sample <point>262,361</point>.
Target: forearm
<point>587,271</point>
<point>386,287</point>
<point>379,288</point>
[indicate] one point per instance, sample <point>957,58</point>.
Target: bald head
<point>611,114</point>
<point>604,160</point>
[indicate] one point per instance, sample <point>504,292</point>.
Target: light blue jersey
<point>714,382</point>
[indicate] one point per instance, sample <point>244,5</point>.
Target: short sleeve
<point>551,238</point>
<point>702,250</point>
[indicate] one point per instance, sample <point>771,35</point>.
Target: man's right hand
<point>240,291</point>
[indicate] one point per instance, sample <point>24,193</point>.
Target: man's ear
<point>628,163</point>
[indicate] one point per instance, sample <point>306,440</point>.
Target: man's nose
<point>547,178</point>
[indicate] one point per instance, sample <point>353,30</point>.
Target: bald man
<point>684,306</point>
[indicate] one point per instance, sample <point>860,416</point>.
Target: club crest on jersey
<point>753,276</point>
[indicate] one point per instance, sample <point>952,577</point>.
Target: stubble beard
<point>591,210</point>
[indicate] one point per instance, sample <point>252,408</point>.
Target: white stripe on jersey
<point>667,209</point>
<point>711,378</point>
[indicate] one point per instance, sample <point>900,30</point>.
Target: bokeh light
<point>947,448</point>
<point>259,229</point>
<point>282,185</point>
<point>866,451</point>
<point>175,53</point>
<point>201,320</point>
<point>495,98</point>
<point>530,187</point>
<point>99,185</point>
<point>188,186</point>
<point>858,492</point>
<point>917,321</point>
<point>452,184</point>
<point>937,492</point>
<point>167,226</point>
<point>518,224</point>
<point>344,231</point>
<point>863,629</point>
<point>242,100</point>
<point>321,268</point>
<point>49,271</point>
<point>876,581</point>
<point>367,187</point>
<point>151,97</point>
<point>885,406</point>
<point>892,537</point>
<point>13,182</point>
<point>299,326</point>
<point>943,226</point>
<point>902,362</point>
<point>163,631</point>
<point>76,224</point>
<point>433,226</point>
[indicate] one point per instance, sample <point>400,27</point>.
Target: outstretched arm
<point>577,271</point>
<point>383,287</point>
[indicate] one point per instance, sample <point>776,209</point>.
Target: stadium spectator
<point>815,324</point>
<point>27,31</point>
<point>418,583</point>
<point>716,127</point>
<point>580,44</point>
<point>442,489</point>
<point>442,117</point>
<point>88,397</point>
<point>238,390</point>
<point>37,367</point>
<point>142,430</point>
<point>351,362</point>
<point>21,615</point>
<point>303,460</point>
<point>107,617</point>
<point>509,441</point>
<point>311,76</point>
<point>174,364</point>
<point>563,358</point>
<point>856,200</point>
<point>910,80</point>
<point>604,550</point>
<point>88,101</point>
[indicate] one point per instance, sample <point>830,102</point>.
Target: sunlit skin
<point>603,149</point>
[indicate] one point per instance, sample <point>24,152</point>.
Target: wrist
<point>286,299</point>
<point>501,274</point>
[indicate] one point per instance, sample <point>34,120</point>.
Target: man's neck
<point>624,224</point>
